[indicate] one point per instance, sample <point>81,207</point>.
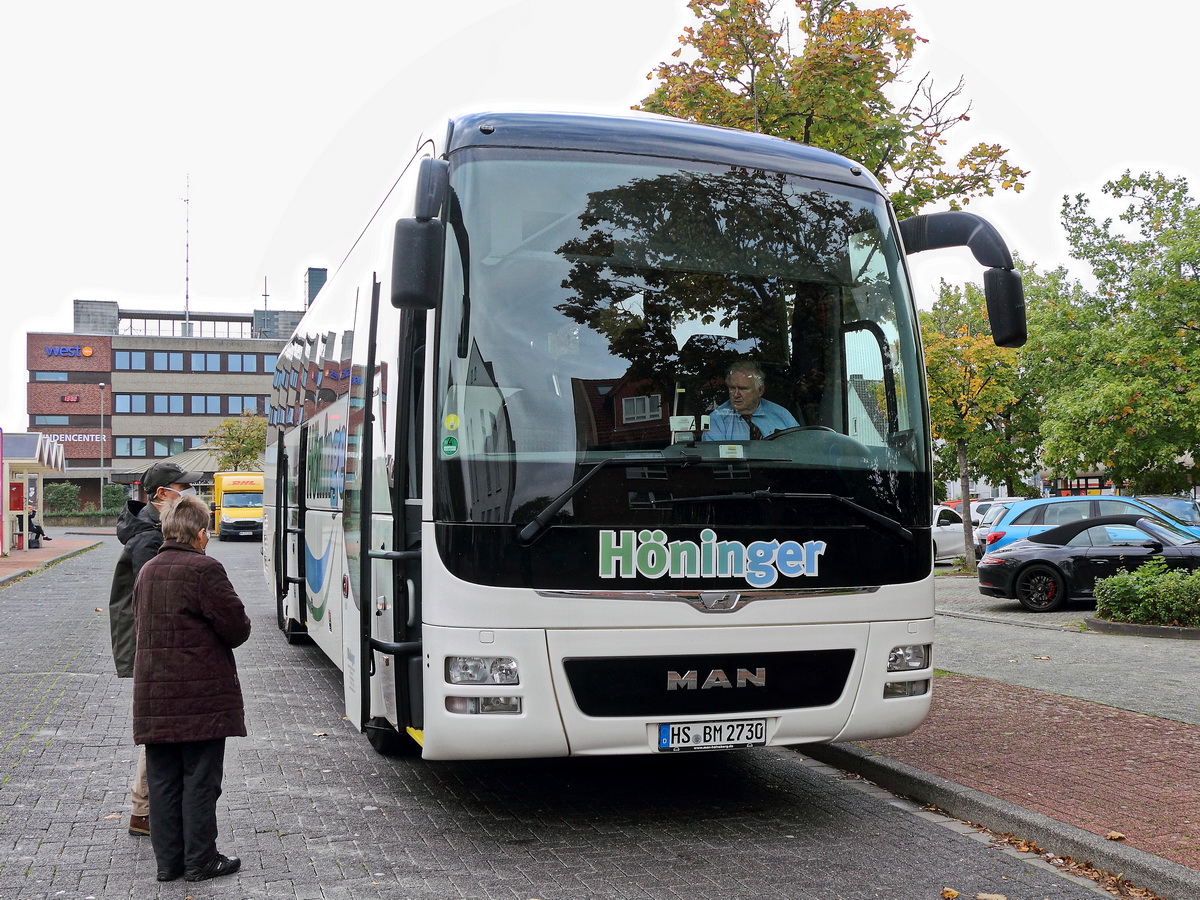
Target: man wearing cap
<point>139,528</point>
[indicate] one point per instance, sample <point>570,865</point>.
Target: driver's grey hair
<point>749,367</point>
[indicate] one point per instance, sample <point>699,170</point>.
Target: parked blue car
<point>1028,517</point>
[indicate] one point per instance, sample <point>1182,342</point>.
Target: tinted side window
<point>1061,513</point>
<point>1113,507</point>
<point>949,517</point>
<point>1031,516</point>
<point>994,512</point>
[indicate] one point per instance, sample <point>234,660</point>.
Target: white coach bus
<point>504,493</point>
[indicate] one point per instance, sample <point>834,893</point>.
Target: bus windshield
<point>593,307</point>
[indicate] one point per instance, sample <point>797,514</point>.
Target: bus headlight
<point>906,689</point>
<point>909,657</point>
<point>484,705</point>
<point>482,670</point>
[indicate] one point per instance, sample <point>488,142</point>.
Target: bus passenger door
<point>392,377</point>
<point>288,537</point>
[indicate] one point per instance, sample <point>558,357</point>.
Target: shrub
<point>114,497</point>
<point>1152,594</point>
<point>61,497</point>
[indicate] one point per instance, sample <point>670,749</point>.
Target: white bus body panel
<point>551,724</point>
<point>324,570</point>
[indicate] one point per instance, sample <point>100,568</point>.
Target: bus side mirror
<point>1006,306</point>
<point>418,244</point>
<point>417,263</point>
<point>1001,283</point>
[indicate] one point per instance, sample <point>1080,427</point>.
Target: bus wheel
<point>388,741</point>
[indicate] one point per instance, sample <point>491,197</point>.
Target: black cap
<point>165,474</point>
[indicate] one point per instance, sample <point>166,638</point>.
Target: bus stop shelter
<point>25,459</point>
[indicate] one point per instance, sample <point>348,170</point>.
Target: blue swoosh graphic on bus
<point>315,571</point>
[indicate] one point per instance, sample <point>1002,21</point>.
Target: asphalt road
<point>1001,640</point>
<point>315,813</point>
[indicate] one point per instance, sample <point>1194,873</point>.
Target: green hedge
<point>1150,595</point>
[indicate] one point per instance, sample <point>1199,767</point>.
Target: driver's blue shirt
<point>726,425</point>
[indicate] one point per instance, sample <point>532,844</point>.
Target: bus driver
<point>745,415</point>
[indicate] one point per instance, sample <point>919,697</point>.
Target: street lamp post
<point>101,445</point>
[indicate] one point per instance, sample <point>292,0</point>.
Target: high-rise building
<point>129,387</point>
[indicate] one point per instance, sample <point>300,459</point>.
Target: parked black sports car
<point>1047,569</point>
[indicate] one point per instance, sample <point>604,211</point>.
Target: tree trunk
<point>964,481</point>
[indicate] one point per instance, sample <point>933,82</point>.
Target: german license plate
<point>678,736</point>
<point>245,533</point>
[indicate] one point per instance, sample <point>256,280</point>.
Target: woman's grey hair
<point>184,519</point>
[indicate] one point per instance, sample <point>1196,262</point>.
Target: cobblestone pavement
<point>315,813</point>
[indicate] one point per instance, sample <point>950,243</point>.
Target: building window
<point>243,362</point>
<point>168,362</point>
<point>642,409</point>
<point>195,442</point>
<point>206,405</point>
<point>125,446</point>
<point>239,405</point>
<point>129,403</point>
<point>49,376</point>
<point>206,362</point>
<point>167,446</point>
<point>51,420</point>
<point>168,403</point>
<point>130,360</point>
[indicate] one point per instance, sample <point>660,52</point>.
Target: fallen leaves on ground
<point>1113,883</point>
<point>1114,836</point>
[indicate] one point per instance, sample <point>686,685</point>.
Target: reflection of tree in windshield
<point>729,252</point>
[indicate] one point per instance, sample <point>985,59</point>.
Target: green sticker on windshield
<point>449,446</point>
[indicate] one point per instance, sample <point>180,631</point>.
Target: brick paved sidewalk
<point>1098,768</point>
<point>21,562</point>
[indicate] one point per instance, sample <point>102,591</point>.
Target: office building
<point>128,387</point>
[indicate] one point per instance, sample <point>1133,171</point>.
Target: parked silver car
<point>947,534</point>
<point>994,511</point>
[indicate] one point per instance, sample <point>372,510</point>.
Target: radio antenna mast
<point>187,249</point>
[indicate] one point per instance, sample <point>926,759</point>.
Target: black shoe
<point>169,874</point>
<point>217,866</point>
<point>47,539</point>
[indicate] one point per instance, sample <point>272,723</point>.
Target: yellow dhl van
<point>237,505</point>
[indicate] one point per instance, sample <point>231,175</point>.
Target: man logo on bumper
<point>690,680</point>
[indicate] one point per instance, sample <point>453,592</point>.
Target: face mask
<point>190,491</point>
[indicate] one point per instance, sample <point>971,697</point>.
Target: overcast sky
<point>282,122</point>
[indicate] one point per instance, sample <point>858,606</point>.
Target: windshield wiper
<point>539,522</point>
<point>889,524</point>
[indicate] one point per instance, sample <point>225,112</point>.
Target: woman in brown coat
<point>186,695</point>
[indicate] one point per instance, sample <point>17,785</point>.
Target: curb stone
<point>1169,880</point>
<point>1175,632</point>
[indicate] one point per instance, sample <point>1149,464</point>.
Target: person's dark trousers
<point>185,782</point>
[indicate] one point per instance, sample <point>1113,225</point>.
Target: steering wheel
<point>794,429</point>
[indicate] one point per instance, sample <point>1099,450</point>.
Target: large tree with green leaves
<point>828,78</point>
<point>979,406</point>
<point>1128,395</point>
<point>240,442</point>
